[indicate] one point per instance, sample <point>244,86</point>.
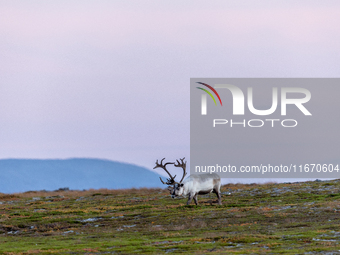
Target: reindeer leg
<point>218,194</point>
<point>190,199</point>
<point>219,198</point>
<point>195,199</point>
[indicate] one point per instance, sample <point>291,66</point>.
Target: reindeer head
<point>175,188</point>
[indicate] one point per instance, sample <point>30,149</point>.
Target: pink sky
<point>110,79</point>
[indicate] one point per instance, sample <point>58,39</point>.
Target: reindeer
<point>195,184</point>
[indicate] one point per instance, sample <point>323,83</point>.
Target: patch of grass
<point>255,219</point>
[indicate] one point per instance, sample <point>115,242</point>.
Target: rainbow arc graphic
<point>209,93</point>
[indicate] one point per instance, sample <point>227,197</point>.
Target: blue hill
<point>19,175</point>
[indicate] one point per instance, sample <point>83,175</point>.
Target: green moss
<point>254,219</point>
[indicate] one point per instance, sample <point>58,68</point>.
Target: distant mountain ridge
<point>19,175</point>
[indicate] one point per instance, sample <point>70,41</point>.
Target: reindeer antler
<point>183,165</point>
<point>169,181</point>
